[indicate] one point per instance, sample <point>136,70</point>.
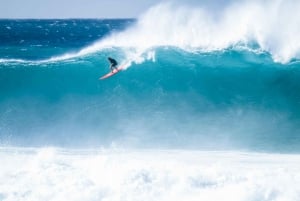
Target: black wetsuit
<point>113,62</point>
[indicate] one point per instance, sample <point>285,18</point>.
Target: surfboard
<point>111,73</point>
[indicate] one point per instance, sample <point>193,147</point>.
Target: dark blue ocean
<point>207,106</point>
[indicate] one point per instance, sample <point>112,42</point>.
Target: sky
<point>38,9</point>
<point>74,8</point>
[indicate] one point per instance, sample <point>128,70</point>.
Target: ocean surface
<point>207,106</point>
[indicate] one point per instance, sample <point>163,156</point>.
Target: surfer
<point>113,64</point>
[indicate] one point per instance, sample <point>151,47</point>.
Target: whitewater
<point>207,108</point>
<point>57,174</point>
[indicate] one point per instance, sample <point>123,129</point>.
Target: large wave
<point>218,91</point>
<point>219,100</point>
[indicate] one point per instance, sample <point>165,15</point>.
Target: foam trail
<point>131,56</point>
<point>13,60</point>
<point>50,60</point>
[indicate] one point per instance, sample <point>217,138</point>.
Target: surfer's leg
<point>114,67</point>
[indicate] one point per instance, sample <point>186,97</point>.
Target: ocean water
<point>206,108</point>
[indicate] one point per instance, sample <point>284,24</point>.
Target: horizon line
<point>72,18</point>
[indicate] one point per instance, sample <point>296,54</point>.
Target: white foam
<point>12,60</point>
<point>273,25</point>
<point>162,175</point>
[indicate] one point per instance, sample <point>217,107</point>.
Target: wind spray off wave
<point>273,27</point>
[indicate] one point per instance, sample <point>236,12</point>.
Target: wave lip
<point>273,26</point>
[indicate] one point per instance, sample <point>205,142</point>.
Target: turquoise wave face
<point>168,97</point>
<point>219,100</point>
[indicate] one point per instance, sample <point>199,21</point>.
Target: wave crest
<point>274,26</point>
